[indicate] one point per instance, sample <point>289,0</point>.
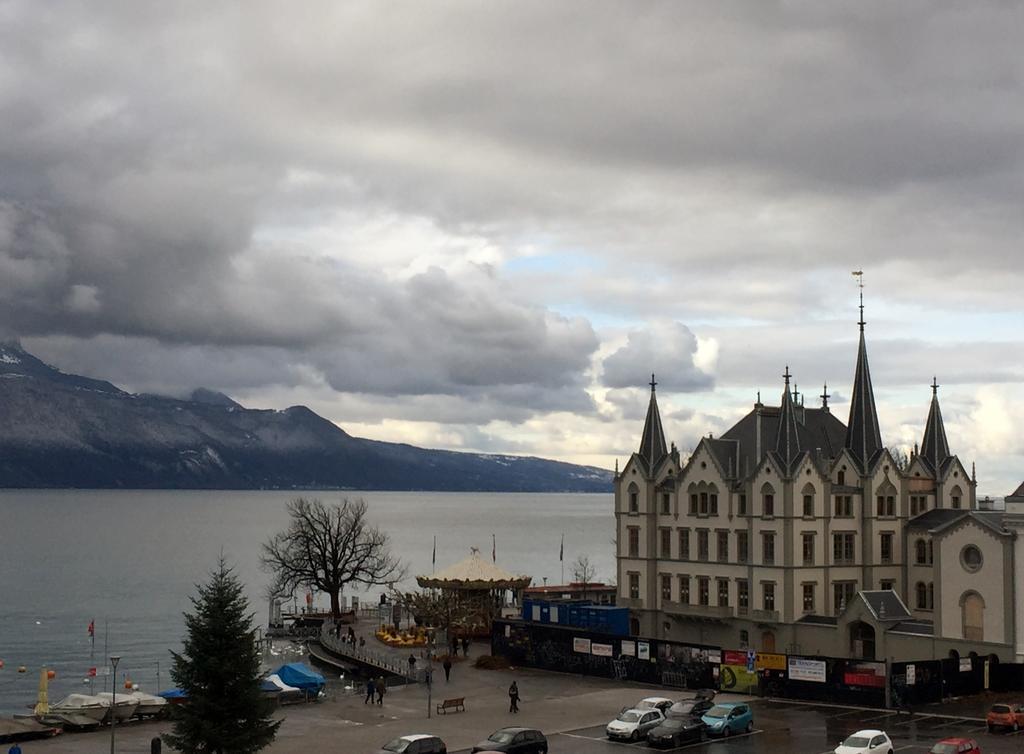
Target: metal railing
<point>377,658</point>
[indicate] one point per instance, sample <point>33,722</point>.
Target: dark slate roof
<point>819,620</point>
<point>787,437</point>
<point>917,627</point>
<point>652,445</point>
<point>941,518</point>
<point>1018,494</point>
<point>819,428</point>
<point>934,447</point>
<point>863,437</point>
<point>885,604</point>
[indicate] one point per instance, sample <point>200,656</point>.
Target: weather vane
<point>859,274</point>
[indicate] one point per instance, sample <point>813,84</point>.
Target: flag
<point>494,549</point>
<point>433,557</point>
<point>92,628</point>
<point>92,672</point>
<point>561,550</point>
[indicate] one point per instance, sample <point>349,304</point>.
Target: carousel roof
<point>474,573</point>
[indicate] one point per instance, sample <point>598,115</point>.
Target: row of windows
<point>843,546</point>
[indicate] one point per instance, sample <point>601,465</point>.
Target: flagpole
<point>494,549</point>
<point>433,558</point>
<point>106,657</point>
<point>92,653</point>
<point>561,557</point>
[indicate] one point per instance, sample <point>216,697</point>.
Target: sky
<point>482,226</point>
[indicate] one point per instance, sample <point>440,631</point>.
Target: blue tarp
<point>301,677</point>
<point>173,694</point>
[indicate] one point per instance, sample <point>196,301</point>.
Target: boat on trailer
<point>123,705</point>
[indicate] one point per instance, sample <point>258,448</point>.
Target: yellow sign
<point>767,661</point>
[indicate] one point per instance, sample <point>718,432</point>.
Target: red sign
<point>731,657</point>
<point>864,679</point>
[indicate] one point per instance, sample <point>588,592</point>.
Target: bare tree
<point>329,547</point>
<point>583,572</point>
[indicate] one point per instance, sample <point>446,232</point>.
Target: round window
<point>970,558</point>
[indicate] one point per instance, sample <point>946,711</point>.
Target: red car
<point>1009,716</point>
<point>956,746</point>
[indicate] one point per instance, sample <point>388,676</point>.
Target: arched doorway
<point>862,640</point>
<point>767,641</point>
<point>972,610</point>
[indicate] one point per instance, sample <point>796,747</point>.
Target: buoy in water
<point>51,674</point>
<point>22,669</point>
<point>128,683</point>
<point>1,664</point>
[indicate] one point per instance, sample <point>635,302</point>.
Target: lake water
<point>130,560</point>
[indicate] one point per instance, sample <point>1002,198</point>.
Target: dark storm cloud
<point>725,160</point>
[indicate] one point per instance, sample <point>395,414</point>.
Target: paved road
<point>805,729</point>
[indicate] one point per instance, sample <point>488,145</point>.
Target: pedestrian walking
<point>14,749</point>
<point>447,669</point>
<point>412,665</point>
<point>381,689</point>
<point>371,688</point>
<point>455,647</point>
<point>362,642</point>
<point>465,646</point>
<point>513,697</point>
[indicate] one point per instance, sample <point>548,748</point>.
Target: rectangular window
<point>666,586</point>
<point>886,505</point>
<point>885,547</point>
<point>844,506</point>
<point>769,504</point>
<point>769,595</point>
<point>842,593</point>
<point>808,598</point>
<point>684,590</point>
<point>665,542</point>
<point>743,595</point>
<point>742,547</point>
<point>634,502</point>
<point>723,592</point>
<point>808,548</point>
<point>955,499</point>
<point>742,505</point>
<point>703,504</point>
<point>714,504</point>
<point>684,544</point>
<point>634,586</point>
<point>768,548</point>
<point>723,547</point>
<point>808,506</point>
<point>703,554</point>
<point>887,584</point>
<point>693,504</point>
<point>843,548</point>
<point>666,503</point>
<point>703,590</point>
<point>634,541</point>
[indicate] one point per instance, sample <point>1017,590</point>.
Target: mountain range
<point>64,430</point>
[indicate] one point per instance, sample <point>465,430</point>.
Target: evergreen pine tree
<point>219,670</point>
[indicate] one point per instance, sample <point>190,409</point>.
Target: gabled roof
<point>885,604</point>
<point>1017,496</point>
<point>939,520</point>
<point>652,444</point>
<point>863,437</point>
<point>934,446</point>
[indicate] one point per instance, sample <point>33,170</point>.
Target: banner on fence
<point>801,669</point>
<point>911,675</point>
<point>581,645</point>
<point>628,649</point>
<point>737,673</point>
<point>643,650</point>
<point>767,661</point>
<point>965,665</point>
<point>870,674</point>
<point>601,650</point>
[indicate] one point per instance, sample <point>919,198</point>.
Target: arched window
<point>931,552</point>
<point>808,493</point>
<point>767,500</point>
<point>634,498</point>
<point>931,596</point>
<point>692,491</point>
<point>886,500</point>
<point>973,614</point>
<point>955,496</point>
<point>921,591</point>
<point>841,477</point>
<point>712,500</point>
<point>921,552</point>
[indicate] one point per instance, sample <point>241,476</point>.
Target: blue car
<point>727,719</point>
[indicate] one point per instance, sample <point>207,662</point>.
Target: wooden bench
<point>458,704</point>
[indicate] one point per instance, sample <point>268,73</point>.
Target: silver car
<point>634,724</point>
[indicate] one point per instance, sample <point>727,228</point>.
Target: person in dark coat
<point>371,688</point>
<point>447,669</point>
<point>465,646</point>
<point>381,689</point>
<point>455,647</point>
<point>513,697</point>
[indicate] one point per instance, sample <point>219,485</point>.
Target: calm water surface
<point>130,559</point>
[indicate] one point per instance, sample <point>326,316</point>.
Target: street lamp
<point>114,659</point>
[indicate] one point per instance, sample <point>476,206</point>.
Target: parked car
<point>1006,716</point>
<point>690,707</point>
<point>634,724</point>
<point>417,743</point>
<point>727,719</point>
<point>654,702</point>
<point>514,741</point>
<point>956,746</point>
<point>675,731</point>
<point>866,742</point>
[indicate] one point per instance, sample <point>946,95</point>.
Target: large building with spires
<point>794,532</point>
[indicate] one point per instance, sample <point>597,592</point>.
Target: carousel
<point>480,588</point>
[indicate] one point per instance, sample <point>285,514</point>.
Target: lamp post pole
<point>114,659</point>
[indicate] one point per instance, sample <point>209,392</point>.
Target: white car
<point>866,742</point>
<point>654,702</point>
<point>634,724</point>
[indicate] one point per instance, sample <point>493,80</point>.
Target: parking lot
<point>809,729</point>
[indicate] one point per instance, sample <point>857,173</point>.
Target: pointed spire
<point>787,441</point>
<point>934,446</point>
<point>824,397</point>
<point>863,437</point>
<point>652,445</point>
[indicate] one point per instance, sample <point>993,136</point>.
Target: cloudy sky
<point>482,226</point>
